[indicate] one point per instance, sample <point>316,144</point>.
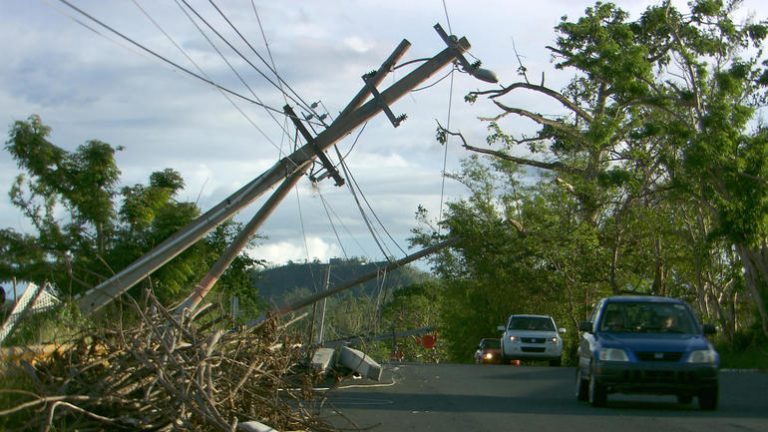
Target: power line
<point>353,180</point>
<point>448,122</point>
<point>304,237</point>
<point>434,83</point>
<point>375,215</point>
<point>333,226</point>
<point>445,154</point>
<point>282,126</point>
<point>306,105</point>
<point>170,62</point>
<point>447,18</point>
<point>232,47</point>
<point>300,101</point>
<point>375,235</point>
<point>157,25</point>
<point>381,247</point>
<point>274,65</point>
<point>341,222</point>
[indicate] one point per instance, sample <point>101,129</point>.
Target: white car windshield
<point>531,323</point>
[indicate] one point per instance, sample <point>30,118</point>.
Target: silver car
<point>531,337</point>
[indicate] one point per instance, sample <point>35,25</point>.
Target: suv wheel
<point>582,386</point>
<point>598,396</point>
<point>708,399</point>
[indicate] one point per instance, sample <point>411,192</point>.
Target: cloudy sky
<point>87,83</point>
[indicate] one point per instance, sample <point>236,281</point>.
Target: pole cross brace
<point>380,102</point>
<point>473,69</point>
<point>311,141</point>
<point>451,42</point>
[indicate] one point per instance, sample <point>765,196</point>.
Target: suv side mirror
<point>562,330</point>
<point>709,329</point>
<point>501,328</point>
<point>585,326</point>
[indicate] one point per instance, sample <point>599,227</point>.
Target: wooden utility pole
<point>352,117</point>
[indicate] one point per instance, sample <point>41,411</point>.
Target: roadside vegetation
<point>651,180</point>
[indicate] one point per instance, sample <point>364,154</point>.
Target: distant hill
<point>274,283</point>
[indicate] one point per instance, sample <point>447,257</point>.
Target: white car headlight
<point>702,356</point>
<point>553,340</point>
<point>513,338</point>
<point>613,354</point>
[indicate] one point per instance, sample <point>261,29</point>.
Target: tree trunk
<point>723,303</point>
<point>659,284</point>
<point>756,275</point>
<point>615,263</point>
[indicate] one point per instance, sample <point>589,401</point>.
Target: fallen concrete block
<point>322,360</point>
<point>254,426</point>
<point>359,362</point>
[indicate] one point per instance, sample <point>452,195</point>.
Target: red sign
<point>428,341</point>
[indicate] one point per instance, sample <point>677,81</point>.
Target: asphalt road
<point>450,397</point>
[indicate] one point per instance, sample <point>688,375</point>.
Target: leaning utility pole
<point>352,117</point>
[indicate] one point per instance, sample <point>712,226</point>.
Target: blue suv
<point>646,344</point>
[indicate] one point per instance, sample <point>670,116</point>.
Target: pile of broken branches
<point>167,373</point>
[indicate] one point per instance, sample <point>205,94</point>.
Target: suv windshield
<point>641,317</point>
<point>531,323</point>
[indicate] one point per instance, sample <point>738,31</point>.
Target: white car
<point>531,337</point>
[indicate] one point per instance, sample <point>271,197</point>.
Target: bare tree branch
<point>538,118</point>
<point>551,166</point>
<point>540,89</point>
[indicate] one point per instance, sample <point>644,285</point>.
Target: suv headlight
<point>513,338</point>
<point>613,354</point>
<point>703,356</point>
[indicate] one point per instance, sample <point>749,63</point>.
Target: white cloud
<point>283,251</point>
<point>357,44</point>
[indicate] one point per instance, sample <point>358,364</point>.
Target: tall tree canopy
<point>652,181</point>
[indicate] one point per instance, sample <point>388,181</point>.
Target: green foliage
<point>415,307</point>
<point>86,229</point>
<point>747,350</point>
<point>13,378</point>
<point>496,269</point>
<point>659,179</point>
<point>60,324</point>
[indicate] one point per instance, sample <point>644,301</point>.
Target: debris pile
<point>168,373</point>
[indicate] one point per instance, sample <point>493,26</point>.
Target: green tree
<point>86,229</point>
<point>651,181</point>
<point>82,185</point>
<point>522,249</point>
<point>413,307</point>
<point>708,81</point>
<point>658,116</point>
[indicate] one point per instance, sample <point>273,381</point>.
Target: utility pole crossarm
<point>377,78</point>
<point>327,164</point>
